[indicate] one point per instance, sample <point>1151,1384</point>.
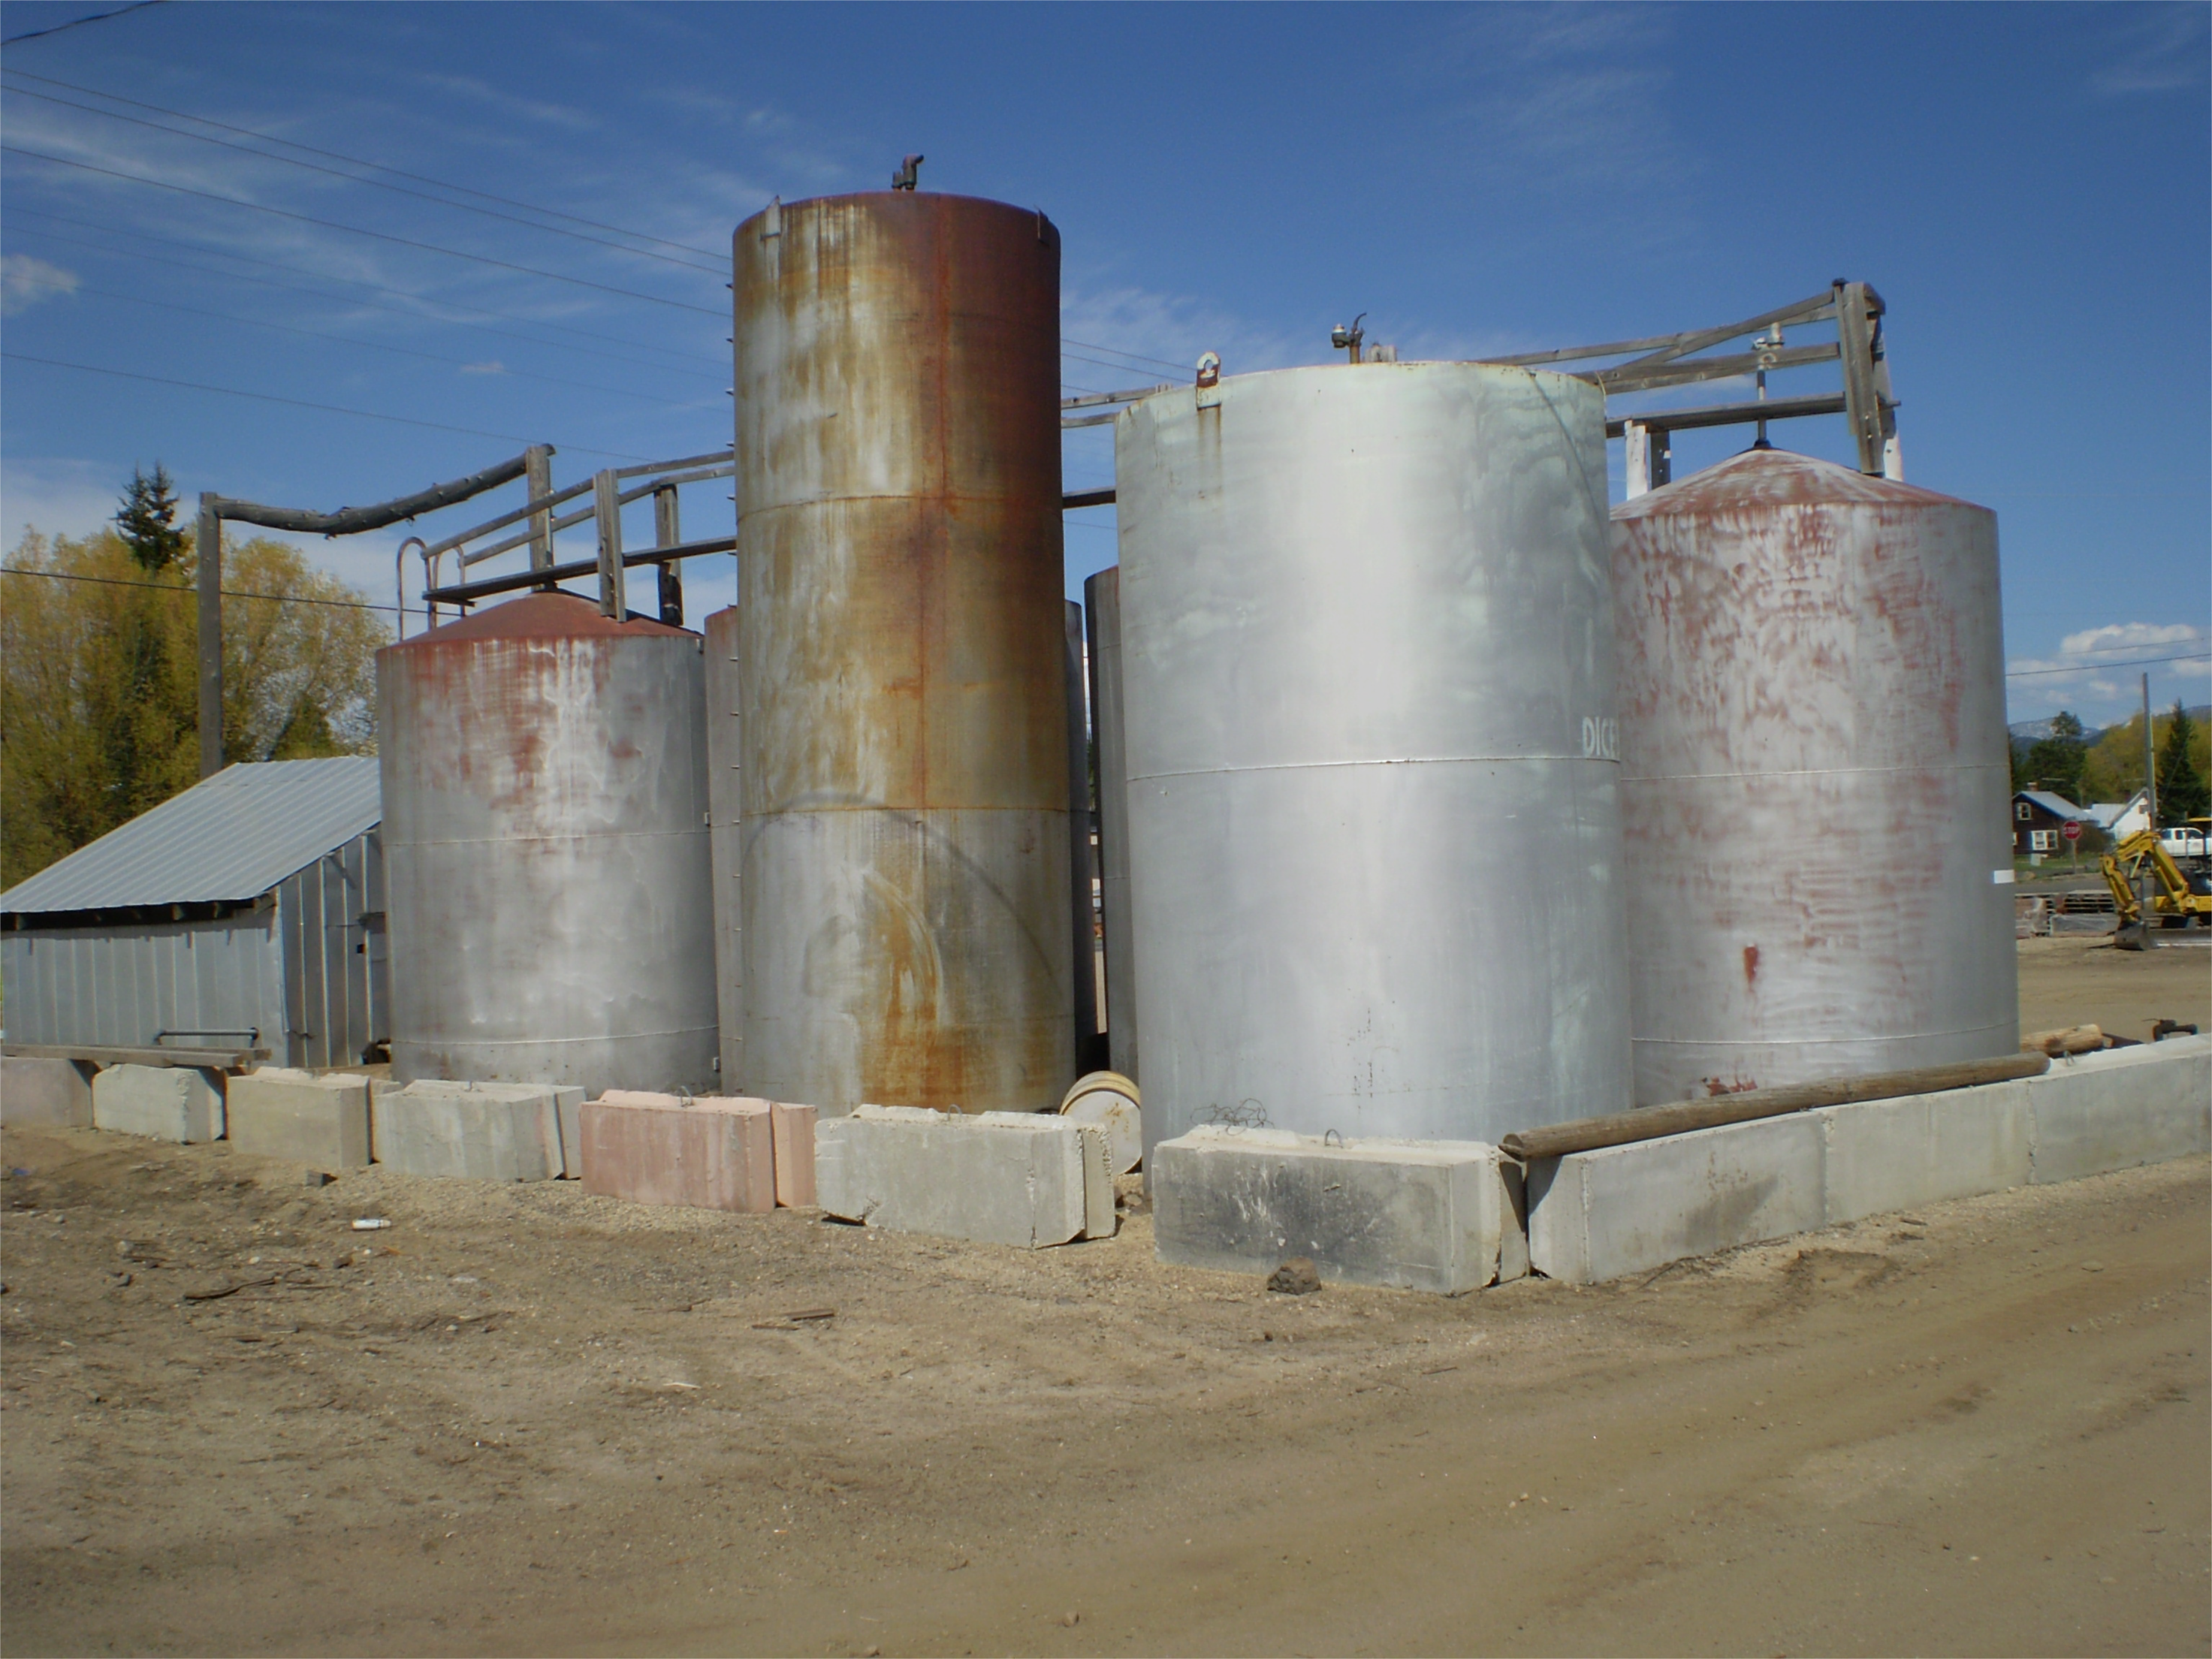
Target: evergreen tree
<point>149,520</point>
<point>2054,762</point>
<point>2181,787</point>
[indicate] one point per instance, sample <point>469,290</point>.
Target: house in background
<point>246,914</point>
<point>2121,818</point>
<point>2037,818</point>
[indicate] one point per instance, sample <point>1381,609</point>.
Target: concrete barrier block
<point>475,1132</point>
<point>2121,1107</point>
<point>319,1121</point>
<point>53,1094</point>
<point>1412,1215</point>
<point>169,1103</point>
<point>793,1130</point>
<point>710,1152</point>
<point>1594,1216</point>
<point>1886,1155</point>
<point>999,1178</point>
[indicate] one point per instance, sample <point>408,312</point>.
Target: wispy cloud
<point>1565,97</point>
<point>2166,50</point>
<point>56,496</point>
<point>1167,332</point>
<point>25,281</point>
<point>2095,669</point>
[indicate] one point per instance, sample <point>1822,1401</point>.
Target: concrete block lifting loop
<point>1327,1141</point>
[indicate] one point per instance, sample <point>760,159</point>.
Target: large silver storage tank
<point>1367,682</point>
<point>906,932</point>
<point>725,804</point>
<point>1816,777</point>
<point>1101,615</point>
<point>545,780</point>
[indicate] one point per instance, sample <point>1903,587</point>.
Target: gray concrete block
<point>1887,1155</point>
<point>321,1120</point>
<point>1594,1216</point>
<point>1435,1216</point>
<point>2121,1107</point>
<point>475,1132</point>
<point>999,1178</point>
<point>169,1103</point>
<point>53,1093</point>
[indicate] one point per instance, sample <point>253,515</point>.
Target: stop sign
<point>2071,829</point>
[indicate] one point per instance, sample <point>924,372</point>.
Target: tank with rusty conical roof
<point>1815,774</point>
<point>545,843</point>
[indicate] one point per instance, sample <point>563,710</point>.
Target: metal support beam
<point>1650,457</point>
<point>351,521</point>
<point>537,475</point>
<point>606,511</point>
<point>667,533</point>
<point>1775,408</point>
<point>465,594</point>
<point>209,553</point>
<point>1856,308</point>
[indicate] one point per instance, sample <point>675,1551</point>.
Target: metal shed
<point>246,913</point>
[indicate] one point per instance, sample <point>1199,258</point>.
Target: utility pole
<point>2150,759</point>
<point>209,552</point>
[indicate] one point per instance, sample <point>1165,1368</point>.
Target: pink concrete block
<point>793,1128</point>
<point>713,1152</point>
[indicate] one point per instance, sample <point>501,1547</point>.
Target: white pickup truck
<point>2182,842</point>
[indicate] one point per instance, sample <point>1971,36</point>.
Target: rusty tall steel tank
<point>1366,656</point>
<point>906,932</point>
<point>1816,777</point>
<point>545,847</point>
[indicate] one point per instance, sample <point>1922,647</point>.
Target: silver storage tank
<point>544,779</point>
<point>1082,907</point>
<point>1367,674</point>
<point>1816,777</point>
<point>906,929</point>
<point>724,803</point>
<point>1102,613</point>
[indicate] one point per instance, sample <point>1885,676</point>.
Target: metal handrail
<point>540,524</point>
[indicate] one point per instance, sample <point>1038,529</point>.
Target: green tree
<point>2054,762</point>
<point>99,693</point>
<point>2181,788</point>
<point>149,520</point>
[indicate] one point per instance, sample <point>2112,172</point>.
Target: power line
<point>356,230</point>
<point>336,155</point>
<point>372,345</point>
<point>79,22</point>
<point>1134,356</point>
<point>298,402</point>
<point>355,178</point>
<point>2099,667</point>
<point>172,588</point>
<point>348,281</point>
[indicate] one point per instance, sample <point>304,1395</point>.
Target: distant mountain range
<point>2027,732</point>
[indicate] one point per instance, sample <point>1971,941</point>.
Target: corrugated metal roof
<point>2056,805</point>
<point>226,839</point>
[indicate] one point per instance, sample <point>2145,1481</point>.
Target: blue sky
<point>2028,187</point>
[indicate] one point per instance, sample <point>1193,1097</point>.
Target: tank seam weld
<point>1799,1042</point>
<point>1812,772</point>
<point>1402,760</point>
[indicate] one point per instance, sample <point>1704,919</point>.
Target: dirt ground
<point>528,1420</point>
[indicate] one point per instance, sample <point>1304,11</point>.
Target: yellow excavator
<point>2176,897</point>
